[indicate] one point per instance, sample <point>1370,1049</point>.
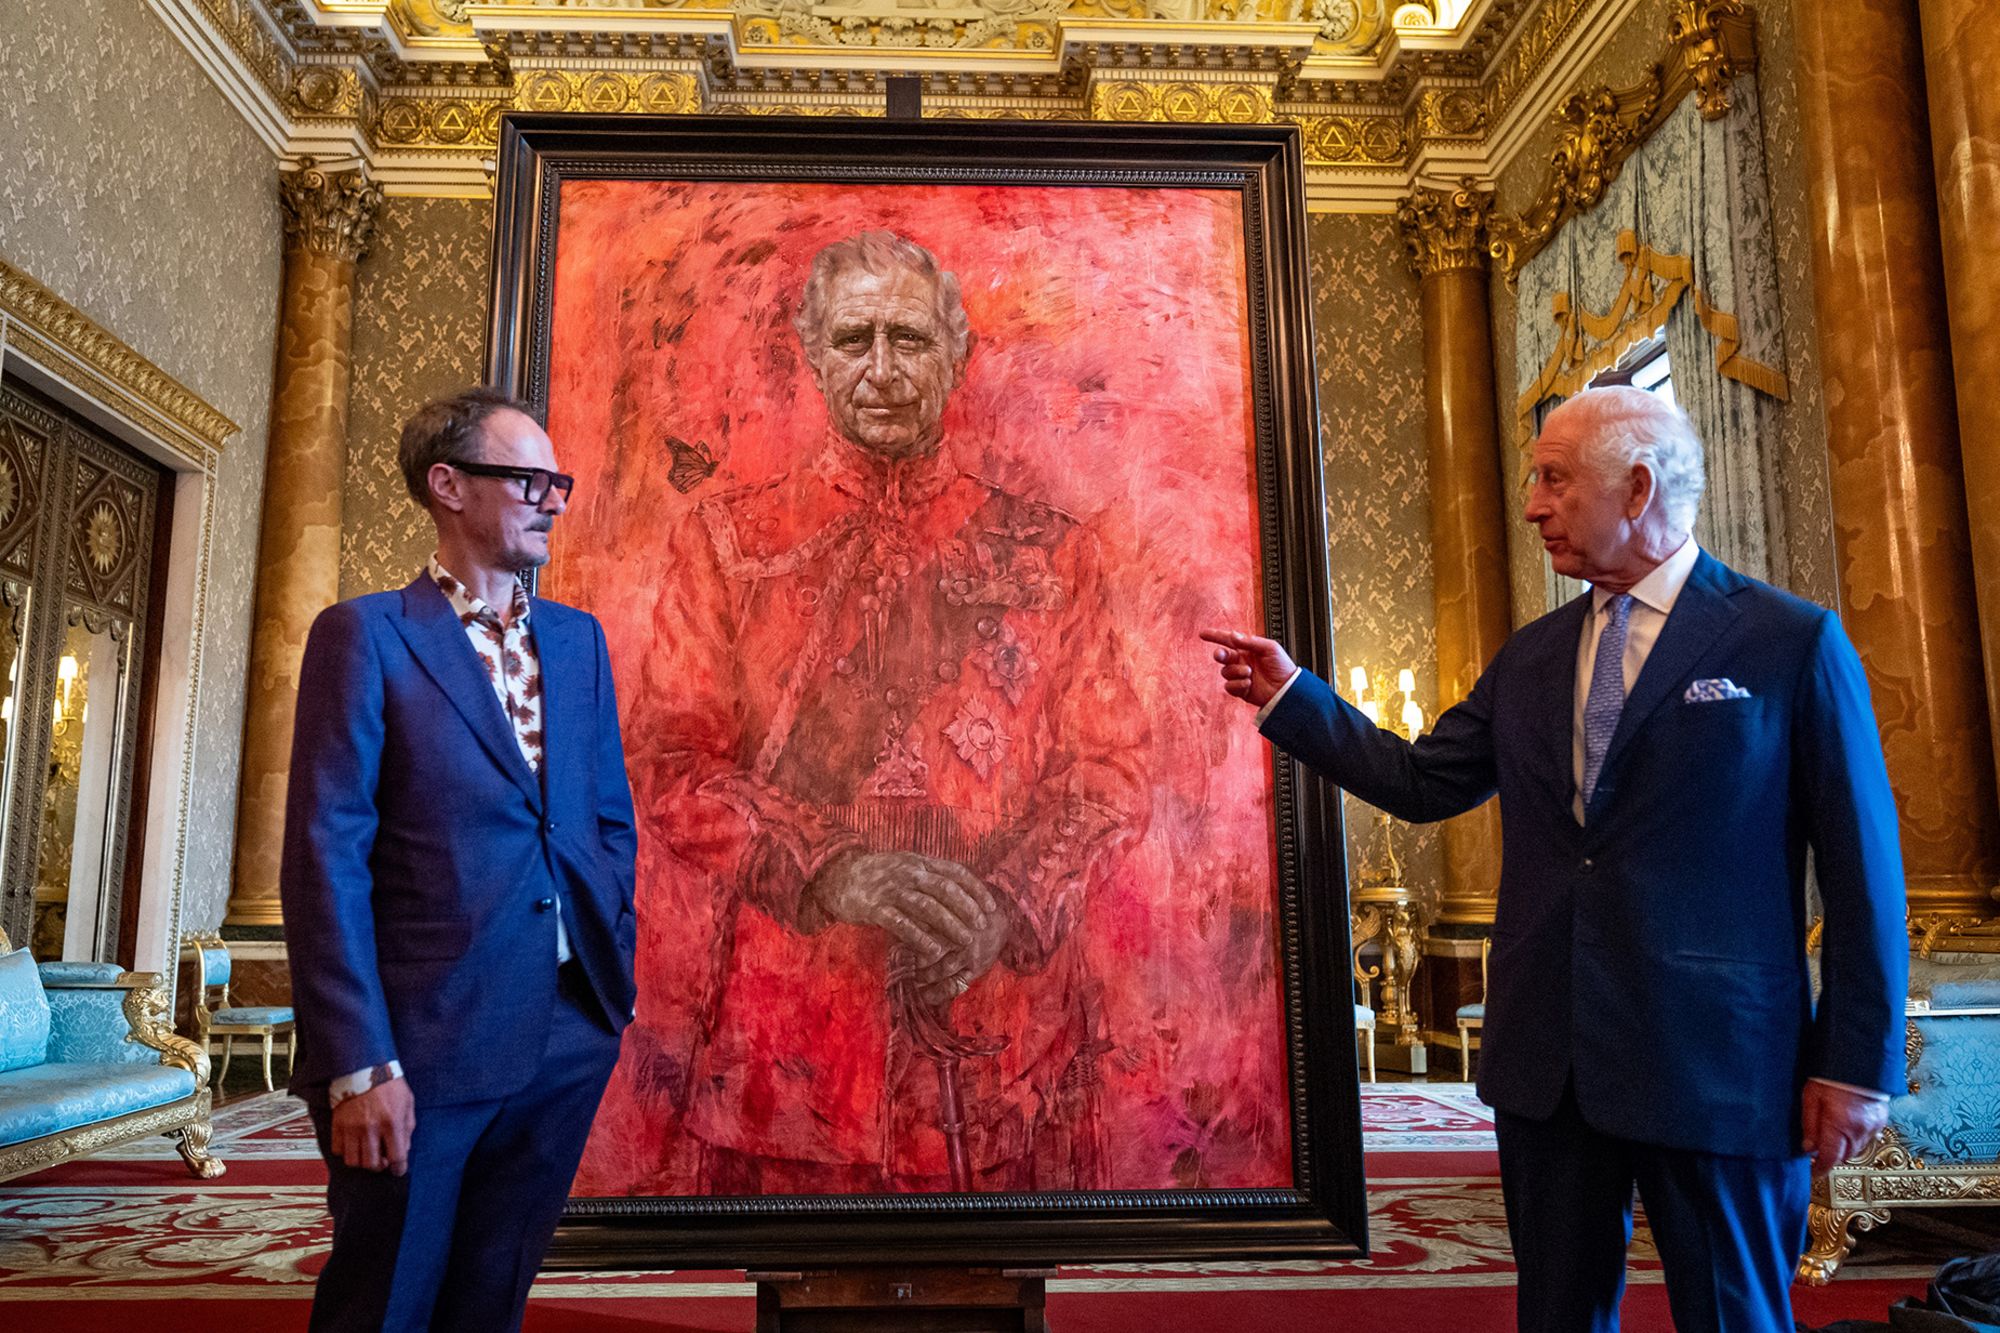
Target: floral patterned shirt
<point>508,652</point>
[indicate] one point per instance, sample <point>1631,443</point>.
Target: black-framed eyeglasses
<point>536,483</point>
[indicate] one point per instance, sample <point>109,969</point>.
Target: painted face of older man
<point>884,360</point>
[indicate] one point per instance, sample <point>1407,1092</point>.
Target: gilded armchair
<point>1472,1016</point>
<point>215,1017</point>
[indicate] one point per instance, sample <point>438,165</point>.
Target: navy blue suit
<point>424,866</point>
<point>1649,991</point>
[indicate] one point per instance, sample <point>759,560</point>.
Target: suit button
<point>552,826</point>
<point>545,904</point>
<point>1589,865</point>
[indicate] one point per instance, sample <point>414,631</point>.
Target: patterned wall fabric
<point>1369,345</point>
<point>135,192</point>
<point>419,331</point>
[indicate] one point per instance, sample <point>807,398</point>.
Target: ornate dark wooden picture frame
<point>657,434</point>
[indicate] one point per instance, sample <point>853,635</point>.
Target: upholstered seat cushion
<point>1955,1114</point>
<point>251,1017</point>
<point>50,1098</point>
<point>24,1013</point>
<point>69,973</point>
<point>1978,993</point>
<point>1477,1011</point>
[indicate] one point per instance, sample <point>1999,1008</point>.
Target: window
<point>1644,367</point>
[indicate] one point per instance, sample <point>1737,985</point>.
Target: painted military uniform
<point>893,656</point>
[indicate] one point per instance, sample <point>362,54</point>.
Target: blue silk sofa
<point>89,1059</point>
<point>1942,1146</point>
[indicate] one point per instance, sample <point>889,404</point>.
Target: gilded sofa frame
<point>1858,1194</point>
<point>188,1121</point>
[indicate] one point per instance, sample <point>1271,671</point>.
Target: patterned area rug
<point>127,1239</point>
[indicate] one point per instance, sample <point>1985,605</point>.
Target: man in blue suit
<point>457,886</point>
<point>1667,749</point>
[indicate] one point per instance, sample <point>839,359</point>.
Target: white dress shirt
<point>1653,599</point>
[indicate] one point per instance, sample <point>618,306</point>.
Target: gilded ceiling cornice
<point>1709,43</point>
<point>47,330</point>
<point>416,88</point>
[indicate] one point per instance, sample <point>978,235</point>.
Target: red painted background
<point>1110,378</point>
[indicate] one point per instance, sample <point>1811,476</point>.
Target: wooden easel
<point>903,1300</point>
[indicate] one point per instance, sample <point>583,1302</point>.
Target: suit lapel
<point>1554,662</point>
<point>1700,614</point>
<point>556,643</point>
<point>437,640</point>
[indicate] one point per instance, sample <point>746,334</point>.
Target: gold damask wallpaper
<point>1369,345</point>
<point>1801,423</point>
<point>419,331</point>
<point>156,214</point>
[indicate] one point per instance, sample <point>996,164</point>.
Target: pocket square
<point>1709,691</point>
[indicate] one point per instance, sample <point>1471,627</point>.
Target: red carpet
<point>129,1240</point>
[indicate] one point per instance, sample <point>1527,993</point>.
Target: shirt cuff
<point>360,1081</point>
<point>1265,711</point>
<point>1872,1094</point>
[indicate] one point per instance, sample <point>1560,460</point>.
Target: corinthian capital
<point>1445,229</point>
<point>328,212</point>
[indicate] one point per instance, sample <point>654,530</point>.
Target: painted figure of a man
<point>885,723</point>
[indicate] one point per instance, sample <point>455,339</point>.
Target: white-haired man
<point>1666,749</point>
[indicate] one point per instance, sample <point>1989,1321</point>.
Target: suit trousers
<point>1729,1230</point>
<point>454,1243</point>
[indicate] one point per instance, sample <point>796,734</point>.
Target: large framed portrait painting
<point>974,922</point>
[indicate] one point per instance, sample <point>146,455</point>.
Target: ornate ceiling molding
<point>1384,92</point>
<point>75,349</point>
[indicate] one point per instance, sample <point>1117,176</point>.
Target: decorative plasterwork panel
<point>1384,93</point>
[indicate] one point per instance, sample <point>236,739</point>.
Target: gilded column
<point>328,217</point>
<point>1445,233</point>
<point>1898,483</point>
<point>1961,39</point>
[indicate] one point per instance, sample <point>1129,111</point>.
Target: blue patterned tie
<point>1607,692</point>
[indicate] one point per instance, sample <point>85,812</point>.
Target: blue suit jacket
<point>423,858</point>
<point>1656,953</point>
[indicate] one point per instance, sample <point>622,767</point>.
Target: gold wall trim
<point>418,94</point>
<point>1709,43</point>
<point>416,87</point>
<point>1180,102</point>
<point>65,342</point>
